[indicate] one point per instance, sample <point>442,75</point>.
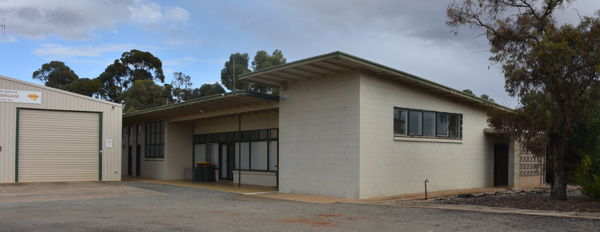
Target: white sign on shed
<point>20,96</point>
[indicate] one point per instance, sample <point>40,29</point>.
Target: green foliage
<point>584,139</point>
<point>143,65</point>
<point>539,56</point>
<point>168,94</point>
<point>133,65</point>
<point>181,87</point>
<point>486,97</point>
<point>85,86</point>
<point>114,79</point>
<point>588,177</point>
<point>143,94</point>
<point>241,67</point>
<point>208,90</point>
<point>55,74</point>
<point>262,60</point>
<point>468,91</point>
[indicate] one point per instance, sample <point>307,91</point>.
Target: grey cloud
<point>77,19</point>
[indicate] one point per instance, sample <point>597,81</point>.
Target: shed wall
<point>54,99</point>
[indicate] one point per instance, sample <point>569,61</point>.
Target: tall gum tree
<point>539,58</point>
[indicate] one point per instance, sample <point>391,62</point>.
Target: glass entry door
<point>227,163</point>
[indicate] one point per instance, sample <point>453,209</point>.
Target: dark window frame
<point>457,135</point>
<point>249,136</point>
<point>155,140</point>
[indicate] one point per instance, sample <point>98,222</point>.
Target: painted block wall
<point>319,137</point>
<point>394,166</point>
<point>178,149</point>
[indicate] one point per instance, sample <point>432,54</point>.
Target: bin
<point>208,172</point>
<point>199,172</point>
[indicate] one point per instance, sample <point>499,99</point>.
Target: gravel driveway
<point>193,209</point>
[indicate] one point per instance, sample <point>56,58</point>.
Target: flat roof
<point>201,106</point>
<point>338,62</point>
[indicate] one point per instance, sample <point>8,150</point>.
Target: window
<point>419,123</point>
<point>400,121</point>
<point>429,124</point>
<point>415,122</point>
<point>155,140</point>
<point>259,149</point>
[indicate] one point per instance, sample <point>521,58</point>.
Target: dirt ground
<point>533,199</point>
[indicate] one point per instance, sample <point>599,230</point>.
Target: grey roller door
<point>58,146</point>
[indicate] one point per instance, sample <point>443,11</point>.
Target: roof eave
<point>203,99</point>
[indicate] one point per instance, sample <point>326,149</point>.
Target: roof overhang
<point>210,106</point>
<point>336,63</point>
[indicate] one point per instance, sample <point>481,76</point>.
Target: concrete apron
<point>224,186</point>
<point>416,200</point>
<point>52,191</point>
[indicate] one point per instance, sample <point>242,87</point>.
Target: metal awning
<point>336,63</point>
<point>206,106</point>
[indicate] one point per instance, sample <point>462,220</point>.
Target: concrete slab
<point>52,191</point>
<point>219,186</point>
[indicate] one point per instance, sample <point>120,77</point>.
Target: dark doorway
<point>138,151</point>
<point>129,153</point>
<point>500,164</point>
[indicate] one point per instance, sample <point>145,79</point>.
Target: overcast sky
<point>196,37</point>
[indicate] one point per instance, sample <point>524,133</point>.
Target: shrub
<point>587,179</point>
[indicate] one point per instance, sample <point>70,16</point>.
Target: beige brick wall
<point>529,181</point>
<point>178,149</point>
<point>319,137</point>
<point>393,167</point>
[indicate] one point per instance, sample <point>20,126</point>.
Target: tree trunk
<point>558,140</point>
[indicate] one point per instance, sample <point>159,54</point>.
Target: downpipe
<point>426,188</point>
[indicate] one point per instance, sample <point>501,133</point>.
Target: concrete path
<point>51,191</point>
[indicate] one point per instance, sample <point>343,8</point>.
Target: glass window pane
<point>428,124</point>
<point>400,121</point>
<point>245,156</point>
<point>254,135</point>
<point>415,120</point>
<point>259,156</point>
<point>263,134</point>
<point>273,134</point>
<point>454,125</point>
<point>162,138</point>
<point>139,135</point>
<point>441,124</point>
<point>200,153</point>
